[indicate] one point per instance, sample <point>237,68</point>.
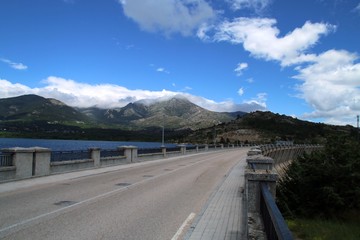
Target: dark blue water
<point>69,145</point>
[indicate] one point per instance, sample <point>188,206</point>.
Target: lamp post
<point>163,133</point>
<point>358,132</point>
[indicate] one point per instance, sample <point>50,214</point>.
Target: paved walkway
<point>223,217</point>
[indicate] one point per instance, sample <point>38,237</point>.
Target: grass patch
<point>316,229</point>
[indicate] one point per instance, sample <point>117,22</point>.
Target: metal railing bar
<point>275,225</point>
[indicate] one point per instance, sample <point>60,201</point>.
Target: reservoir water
<point>69,145</point>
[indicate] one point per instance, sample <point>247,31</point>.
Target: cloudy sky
<point>299,58</point>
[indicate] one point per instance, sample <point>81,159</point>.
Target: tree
<point>324,183</point>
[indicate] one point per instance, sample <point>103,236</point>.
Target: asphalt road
<point>139,201</point>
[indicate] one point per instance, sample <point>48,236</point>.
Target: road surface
<point>150,200</point>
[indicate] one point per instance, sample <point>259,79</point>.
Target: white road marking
<point>181,229</point>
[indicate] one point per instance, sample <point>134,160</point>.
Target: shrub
<point>323,184</point>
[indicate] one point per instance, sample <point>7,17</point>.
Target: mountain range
<point>32,116</point>
<point>176,113</point>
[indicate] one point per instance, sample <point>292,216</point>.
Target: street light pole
<point>163,133</point>
<point>358,131</point>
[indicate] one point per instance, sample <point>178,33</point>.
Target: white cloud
<point>202,31</point>
<point>330,80</point>
<point>256,5</point>
<point>187,88</point>
<point>250,80</point>
<point>260,100</point>
<point>261,38</point>
<point>331,85</point>
<point>78,94</point>
<point>227,106</point>
<point>240,68</point>
<point>357,9</point>
<point>169,16</point>
<point>163,70</point>
<point>241,91</point>
<point>9,89</point>
<point>14,65</point>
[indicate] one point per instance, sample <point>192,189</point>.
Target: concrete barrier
<point>264,169</point>
<point>258,170</point>
<point>36,161</point>
<point>30,162</point>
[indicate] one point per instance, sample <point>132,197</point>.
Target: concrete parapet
<point>254,151</point>
<point>260,162</point>
<point>163,150</point>
<point>37,161</point>
<point>253,179</point>
<point>7,173</point>
<point>41,161</point>
<point>22,160</point>
<point>283,154</point>
<point>71,165</point>
<point>182,149</point>
<point>95,156</point>
<point>259,170</point>
<point>130,153</point>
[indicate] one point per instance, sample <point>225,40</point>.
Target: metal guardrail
<point>274,223</point>
<point>6,160</point>
<point>111,153</point>
<point>173,149</point>
<point>149,150</point>
<point>57,156</point>
<point>191,148</point>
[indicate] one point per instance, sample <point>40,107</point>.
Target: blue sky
<point>299,58</point>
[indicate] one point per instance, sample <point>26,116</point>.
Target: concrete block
<point>130,153</point>
<point>260,162</point>
<point>253,180</point>
<point>95,156</point>
<point>23,161</point>
<point>41,161</point>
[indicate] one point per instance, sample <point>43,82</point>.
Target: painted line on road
<point>27,221</point>
<point>183,226</point>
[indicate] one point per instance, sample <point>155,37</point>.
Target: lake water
<point>69,145</point>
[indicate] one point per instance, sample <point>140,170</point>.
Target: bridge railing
<point>20,163</point>
<point>274,223</point>
<point>57,156</point>
<point>285,153</point>
<point>106,153</point>
<point>6,160</point>
<point>260,178</point>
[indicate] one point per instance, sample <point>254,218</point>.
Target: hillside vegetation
<point>37,117</point>
<point>267,127</point>
<point>319,194</point>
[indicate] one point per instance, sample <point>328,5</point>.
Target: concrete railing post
<point>258,171</point>
<point>41,161</point>
<point>163,150</point>
<point>206,147</point>
<point>130,153</point>
<point>22,160</point>
<point>260,162</point>
<point>183,149</point>
<point>95,156</point>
